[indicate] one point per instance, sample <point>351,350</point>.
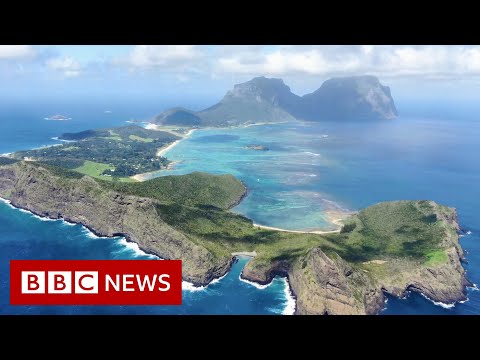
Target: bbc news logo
<point>95,282</point>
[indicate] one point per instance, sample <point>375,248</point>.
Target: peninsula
<point>114,154</point>
<point>391,247</point>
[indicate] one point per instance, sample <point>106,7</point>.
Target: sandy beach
<point>161,152</point>
<point>245,253</point>
<point>297,231</point>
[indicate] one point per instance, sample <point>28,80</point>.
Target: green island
<point>113,154</point>
<point>392,247</point>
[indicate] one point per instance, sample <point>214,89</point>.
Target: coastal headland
<point>391,247</point>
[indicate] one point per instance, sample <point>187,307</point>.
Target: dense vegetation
<point>221,191</point>
<point>402,228</point>
<point>6,161</point>
<point>178,117</point>
<point>196,205</point>
<point>107,153</point>
<point>223,232</point>
<point>80,135</point>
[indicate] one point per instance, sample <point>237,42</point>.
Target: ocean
<point>309,172</point>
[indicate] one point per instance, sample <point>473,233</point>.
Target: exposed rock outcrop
<point>270,100</point>
<point>108,213</point>
<point>416,243</point>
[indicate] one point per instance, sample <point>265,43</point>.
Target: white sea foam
<point>214,281</point>
<point>311,153</point>
<point>438,303</point>
<point>56,138</point>
<point>474,287</point>
<point>91,234</point>
<point>291,303</point>
<point>190,287</point>
<point>135,248</point>
<point>469,232</point>
<point>43,218</point>
<point>5,201</point>
<point>258,286</point>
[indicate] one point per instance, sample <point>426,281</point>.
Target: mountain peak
<point>265,88</point>
<point>263,99</point>
<point>350,97</point>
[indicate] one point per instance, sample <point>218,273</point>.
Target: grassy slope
<point>194,189</point>
<point>93,169</point>
<point>397,229</point>
<point>96,169</point>
<point>196,205</point>
<point>139,138</point>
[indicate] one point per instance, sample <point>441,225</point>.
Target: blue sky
<point>204,73</point>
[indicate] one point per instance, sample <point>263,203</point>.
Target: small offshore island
<point>390,247</point>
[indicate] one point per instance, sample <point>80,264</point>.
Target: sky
<point>196,74</point>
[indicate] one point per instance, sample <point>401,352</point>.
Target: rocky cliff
<point>392,247</point>
<point>328,284</point>
<point>270,100</point>
<point>349,98</point>
<point>107,213</point>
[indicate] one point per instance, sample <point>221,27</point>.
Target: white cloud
<point>295,63</point>
<point>67,65</point>
<point>167,56</point>
<point>16,51</point>
<point>385,61</point>
<point>182,78</point>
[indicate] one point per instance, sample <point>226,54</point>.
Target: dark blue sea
<point>309,172</point>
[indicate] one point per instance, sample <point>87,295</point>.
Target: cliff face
<point>270,100</point>
<point>356,97</point>
<point>392,247</point>
<point>327,284</point>
<point>107,213</point>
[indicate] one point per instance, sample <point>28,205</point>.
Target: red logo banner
<point>95,282</point>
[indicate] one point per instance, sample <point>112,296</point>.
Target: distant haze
<point>195,76</point>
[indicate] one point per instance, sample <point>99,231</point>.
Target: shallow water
<point>309,169</point>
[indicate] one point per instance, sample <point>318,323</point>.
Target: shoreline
<point>165,149</point>
<point>124,240</point>
<point>297,231</point>
<point>161,152</point>
<point>245,253</point>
